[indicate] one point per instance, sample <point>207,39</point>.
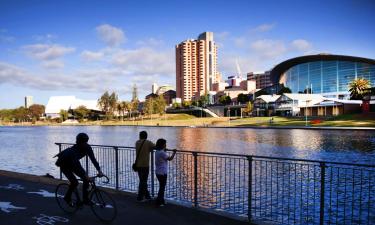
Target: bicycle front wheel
<point>104,207</point>
<point>60,192</point>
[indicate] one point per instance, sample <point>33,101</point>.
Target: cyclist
<point>68,161</point>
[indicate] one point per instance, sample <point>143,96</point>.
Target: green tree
<point>358,88</point>
<point>242,98</point>
<point>21,114</point>
<point>203,100</point>
<point>81,112</point>
<point>36,111</point>
<point>284,90</point>
<point>122,107</point>
<point>108,103</point>
<point>186,104</point>
<point>64,115</point>
<point>104,104</point>
<point>160,104</point>
<point>225,100</point>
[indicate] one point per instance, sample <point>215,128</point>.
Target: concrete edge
<point>54,181</point>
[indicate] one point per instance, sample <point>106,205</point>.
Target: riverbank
<point>184,120</point>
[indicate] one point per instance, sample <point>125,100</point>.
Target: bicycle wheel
<point>60,192</point>
<point>104,207</point>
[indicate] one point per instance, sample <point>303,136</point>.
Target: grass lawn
<point>339,121</point>
<point>355,120</point>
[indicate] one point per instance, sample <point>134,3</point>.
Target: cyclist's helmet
<point>82,138</point>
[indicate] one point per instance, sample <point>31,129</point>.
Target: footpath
<point>28,199</point>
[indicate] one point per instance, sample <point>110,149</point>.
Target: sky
<point>84,48</point>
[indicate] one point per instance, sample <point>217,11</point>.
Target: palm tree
<point>358,87</point>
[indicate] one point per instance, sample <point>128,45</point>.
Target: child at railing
<point>161,168</point>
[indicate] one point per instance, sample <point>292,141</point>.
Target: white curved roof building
<point>57,103</point>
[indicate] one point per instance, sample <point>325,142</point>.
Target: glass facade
<point>329,78</point>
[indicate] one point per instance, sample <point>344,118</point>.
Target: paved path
<point>26,198</point>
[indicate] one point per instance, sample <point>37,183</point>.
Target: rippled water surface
<point>30,149</point>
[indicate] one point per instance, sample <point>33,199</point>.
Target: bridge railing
<point>275,189</point>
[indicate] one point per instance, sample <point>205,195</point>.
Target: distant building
<point>290,104</point>
<point>262,79</point>
<point>28,101</point>
<point>196,67</point>
<point>57,103</point>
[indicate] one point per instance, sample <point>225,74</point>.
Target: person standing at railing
<point>68,161</point>
<point>161,168</point>
<point>142,165</point>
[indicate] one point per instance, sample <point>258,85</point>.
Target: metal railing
<point>283,190</point>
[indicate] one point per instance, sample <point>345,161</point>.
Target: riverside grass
<point>355,120</point>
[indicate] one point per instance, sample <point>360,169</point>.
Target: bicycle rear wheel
<point>60,192</point>
<point>104,207</point>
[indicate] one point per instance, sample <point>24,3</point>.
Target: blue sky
<point>83,48</point>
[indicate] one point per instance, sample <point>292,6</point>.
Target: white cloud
<point>92,81</point>
<point>47,51</point>
<point>301,45</point>
<point>145,61</point>
<point>268,48</point>
<point>53,64</point>
<point>91,56</point>
<point>111,35</point>
<point>264,27</point>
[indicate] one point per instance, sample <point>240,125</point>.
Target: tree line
<point>22,114</point>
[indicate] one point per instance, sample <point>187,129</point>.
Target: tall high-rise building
<point>196,66</point>
<point>28,101</point>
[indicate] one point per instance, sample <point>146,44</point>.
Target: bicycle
<point>103,207</point>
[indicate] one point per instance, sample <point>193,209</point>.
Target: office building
<point>196,67</point>
<point>28,101</point>
<point>262,79</point>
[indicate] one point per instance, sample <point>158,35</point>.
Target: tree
<point>122,107</point>
<point>154,105</point>
<point>242,98</point>
<point>203,100</point>
<point>249,108</point>
<point>64,115</point>
<point>160,104</point>
<point>81,112</point>
<point>36,111</point>
<point>225,100</point>
<point>358,88</point>
<point>103,103</point>
<point>186,104</point>
<point>284,90</point>
<point>20,114</point>
<point>108,103</point>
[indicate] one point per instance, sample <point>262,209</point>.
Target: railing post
<point>250,188</point>
<point>116,164</point>
<point>195,155</point>
<point>152,174</point>
<point>60,167</point>
<point>87,165</point>
<point>322,189</point>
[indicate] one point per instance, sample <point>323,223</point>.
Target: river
<point>30,149</point>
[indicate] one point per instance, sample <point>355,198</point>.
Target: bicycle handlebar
<point>107,179</point>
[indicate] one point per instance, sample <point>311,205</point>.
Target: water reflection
<point>30,149</point>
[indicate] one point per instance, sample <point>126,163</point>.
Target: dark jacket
<point>70,157</point>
